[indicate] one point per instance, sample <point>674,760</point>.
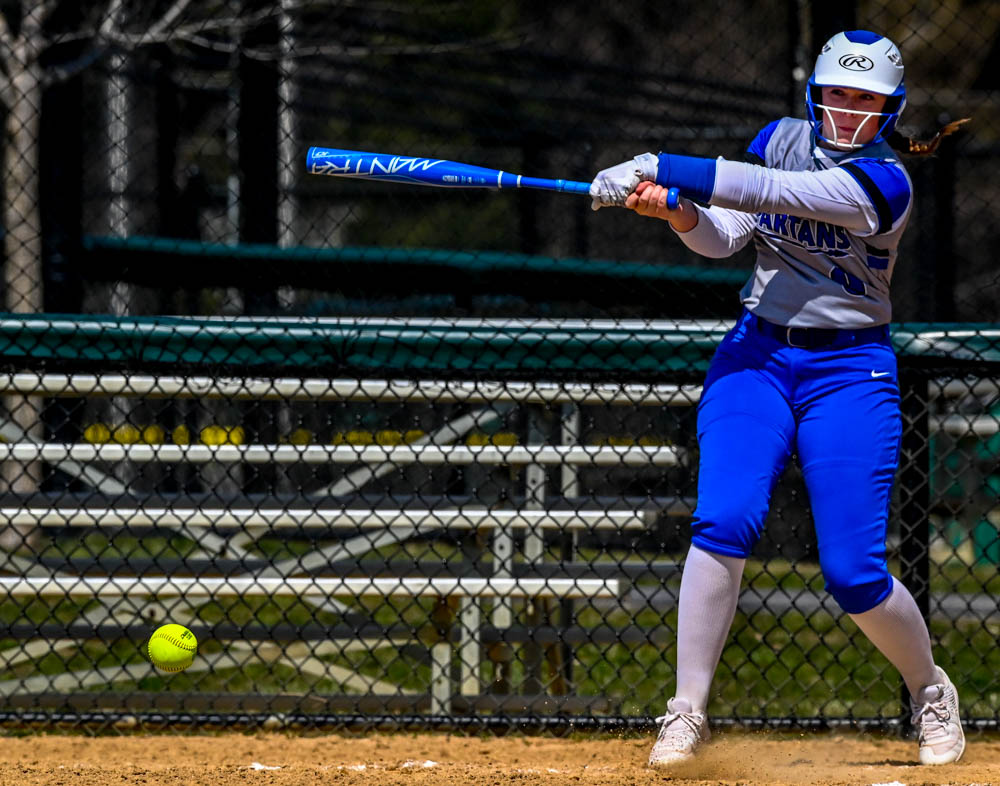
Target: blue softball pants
<point>837,408</point>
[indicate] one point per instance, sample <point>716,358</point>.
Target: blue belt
<point>814,338</point>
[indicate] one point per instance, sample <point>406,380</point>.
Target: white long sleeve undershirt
<point>719,232</point>
<point>744,190</point>
<point>831,195</point>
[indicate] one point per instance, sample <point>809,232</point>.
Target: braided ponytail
<point>916,147</point>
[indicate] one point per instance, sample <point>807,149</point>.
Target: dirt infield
<point>418,759</point>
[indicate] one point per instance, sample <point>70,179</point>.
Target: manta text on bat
<point>375,165</point>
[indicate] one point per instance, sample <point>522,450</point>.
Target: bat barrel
<point>425,171</point>
<point>392,168</point>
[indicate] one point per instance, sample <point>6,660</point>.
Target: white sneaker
<point>681,731</point>
<point>938,723</point>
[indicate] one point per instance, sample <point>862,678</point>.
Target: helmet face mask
<point>862,61</point>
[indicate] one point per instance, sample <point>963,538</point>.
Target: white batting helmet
<point>861,60</point>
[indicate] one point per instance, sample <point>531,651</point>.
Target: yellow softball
<point>172,647</point>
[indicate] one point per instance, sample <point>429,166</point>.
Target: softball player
<point>808,369</point>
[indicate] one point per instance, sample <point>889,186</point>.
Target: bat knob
<point>673,199</point>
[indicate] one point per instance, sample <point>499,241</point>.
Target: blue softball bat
<point>673,199</point>
<point>414,170</point>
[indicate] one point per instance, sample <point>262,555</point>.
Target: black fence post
<point>914,498</point>
<point>257,126</point>
<point>61,194</point>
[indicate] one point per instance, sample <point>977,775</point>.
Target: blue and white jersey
<point>826,226</point>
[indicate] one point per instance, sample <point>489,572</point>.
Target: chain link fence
<point>412,456</point>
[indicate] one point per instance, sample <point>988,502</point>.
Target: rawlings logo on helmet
<point>856,63</point>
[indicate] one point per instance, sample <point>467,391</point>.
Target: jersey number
<point>852,284</point>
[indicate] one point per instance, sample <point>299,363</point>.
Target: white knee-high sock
<point>896,627</point>
<point>710,589</point>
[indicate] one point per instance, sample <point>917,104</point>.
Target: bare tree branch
<point>409,9</point>
<point>33,21</point>
<point>168,18</point>
<point>489,43</point>
<point>187,32</point>
<point>110,23</point>
<point>31,41</point>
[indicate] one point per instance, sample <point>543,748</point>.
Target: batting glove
<point>613,185</point>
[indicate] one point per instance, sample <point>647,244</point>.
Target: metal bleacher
<point>492,573</point>
<point>492,591</point>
